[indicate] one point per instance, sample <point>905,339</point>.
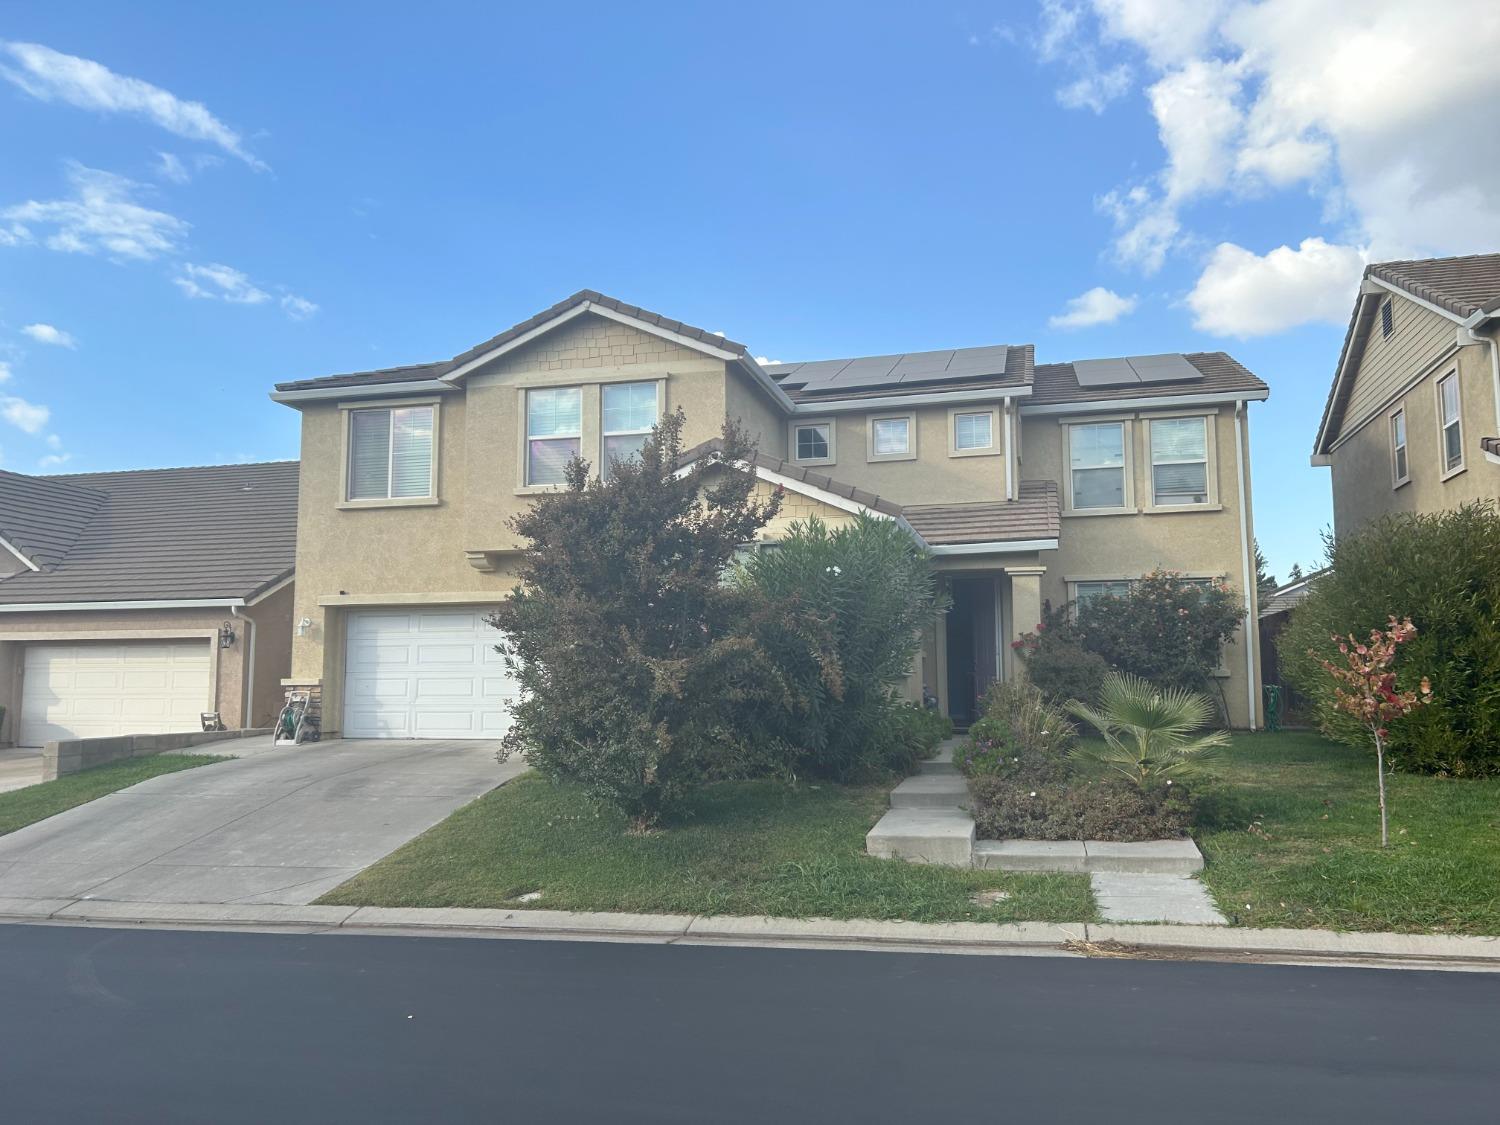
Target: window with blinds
<point>554,432</point>
<point>1179,461</point>
<point>973,431</point>
<point>1096,453</point>
<point>630,411</point>
<point>390,453</point>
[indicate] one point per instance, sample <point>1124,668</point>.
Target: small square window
<point>890,438</point>
<point>390,453</point>
<point>973,431</point>
<point>814,442</point>
<point>1387,319</point>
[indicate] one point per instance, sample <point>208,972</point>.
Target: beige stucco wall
<point>1363,480</point>
<point>19,629</point>
<point>273,654</point>
<point>1200,543</point>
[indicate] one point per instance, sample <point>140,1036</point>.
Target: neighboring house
<point>1275,614</point>
<point>1413,418</point>
<point>133,602</point>
<point>1030,485</point>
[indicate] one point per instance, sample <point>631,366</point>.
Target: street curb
<point>952,937</point>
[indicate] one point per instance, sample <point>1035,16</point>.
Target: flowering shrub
<point>1057,662</point>
<point>1365,688</point>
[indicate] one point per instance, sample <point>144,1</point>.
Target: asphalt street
<point>176,1026</point>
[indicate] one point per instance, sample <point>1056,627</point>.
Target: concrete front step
<point>935,768</point>
<point>1149,857</point>
<point>944,837</point>
<point>931,791</point>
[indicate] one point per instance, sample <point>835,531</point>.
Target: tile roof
<point>42,517</point>
<point>1288,597</point>
<point>1490,445</point>
<point>1036,515</point>
<point>1058,383</point>
<point>442,367</point>
<point>1463,286</point>
<point>222,531</point>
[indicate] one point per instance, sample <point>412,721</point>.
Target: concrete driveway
<point>274,826</point>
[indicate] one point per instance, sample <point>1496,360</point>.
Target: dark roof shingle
<point>41,517</point>
<point>1463,286</point>
<point>1035,515</point>
<point>222,531</point>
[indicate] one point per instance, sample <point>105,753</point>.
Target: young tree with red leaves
<point>1365,687</point>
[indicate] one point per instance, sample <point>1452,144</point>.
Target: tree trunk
<point>1380,766</point>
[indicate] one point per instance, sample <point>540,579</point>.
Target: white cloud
<point>1241,293</point>
<point>5,372</point>
<point>1343,100</point>
<point>298,308</point>
<point>767,361</point>
<point>1098,306</point>
<point>53,460</point>
<point>24,415</point>
<point>54,442</point>
<point>1060,39</point>
<point>1095,89</point>
<point>169,166</point>
<point>48,334</point>
<point>217,282</point>
<point>102,216</point>
<point>50,75</point>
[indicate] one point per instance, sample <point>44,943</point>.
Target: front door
<point>973,662</point>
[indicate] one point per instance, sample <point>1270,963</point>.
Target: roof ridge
<point>71,478</point>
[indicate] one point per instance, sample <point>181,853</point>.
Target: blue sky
<point>200,200</point>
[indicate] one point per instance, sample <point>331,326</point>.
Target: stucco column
<point>1025,604</point>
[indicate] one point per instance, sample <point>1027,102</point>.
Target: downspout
<point>249,677</point>
<point>1010,451</point>
<point>1251,641</point>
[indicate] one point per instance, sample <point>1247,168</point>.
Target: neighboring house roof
<point>1036,515</point>
<point>1490,445</point>
<point>41,517</point>
<point>999,366</point>
<point>443,367</point>
<point>1057,383</point>
<point>1286,598</point>
<point>216,532</point>
<point>1462,286</point>
<point>1463,289</point>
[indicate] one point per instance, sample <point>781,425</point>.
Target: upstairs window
<point>1450,423</point>
<point>391,453</point>
<point>1400,469</point>
<point>1179,461</point>
<point>812,442</point>
<point>1096,454</point>
<point>630,410</point>
<point>892,438</point>
<point>1387,319</point>
<point>554,432</point>
<point>973,431</point>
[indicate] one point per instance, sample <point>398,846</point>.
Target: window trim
<point>1442,427</point>
<point>910,418</point>
<point>992,450</point>
<point>347,410</point>
<point>605,434</point>
<point>1398,478</point>
<point>1211,466</point>
<point>1127,432</point>
<point>525,486</point>
<point>803,423</point>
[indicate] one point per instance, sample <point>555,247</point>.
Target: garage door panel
<point>453,683</point>
<point>97,690</point>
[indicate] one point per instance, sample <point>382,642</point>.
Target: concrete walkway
<point>1179,899</point>
<point>20,766</point>
<point>275,826</point>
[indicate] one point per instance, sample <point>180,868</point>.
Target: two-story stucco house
<point>1413,417</point>
<point>1031,484</point>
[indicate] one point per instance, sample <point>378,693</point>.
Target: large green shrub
<point>1442,571</point>
<point>1056,661</point>
<point>634,657</point>
<point>841,615</point>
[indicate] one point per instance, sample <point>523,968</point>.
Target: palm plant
<point>1148,731</point>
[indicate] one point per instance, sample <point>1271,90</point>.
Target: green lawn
<point>755,847</point>
<point>1292,838</point>
<point>21,807</point>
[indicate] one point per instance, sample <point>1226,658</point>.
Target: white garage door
<point>98,689</point>
<point>425,673</point>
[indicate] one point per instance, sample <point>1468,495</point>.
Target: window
<point>974,431</point>
<point>1387,318</point>
<point>390,453</point>
<point>1097,461</point>
<point>554,419</point>
<point>891,439</point>
<point>1085,592</point>
<point>1179,461</point>
<point>629,413</point>
<point>1399,468</point>
<point>1449,422</point>
<point>812,441</point>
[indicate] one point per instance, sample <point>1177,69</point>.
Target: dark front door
<point>971,646</point>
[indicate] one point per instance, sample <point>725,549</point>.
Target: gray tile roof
<point>1490,445</point>
<point>222,531</point>
<point>42,517</point>
<point>1463,286</point>
<point>442,367</point>
<point>1221,374</point>
<point>1288,597</point>
<point>1036,515</point>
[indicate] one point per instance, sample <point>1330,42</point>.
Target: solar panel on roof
<point>1104,373</point>
<point>1173,368</point>
<point>989,360</point>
